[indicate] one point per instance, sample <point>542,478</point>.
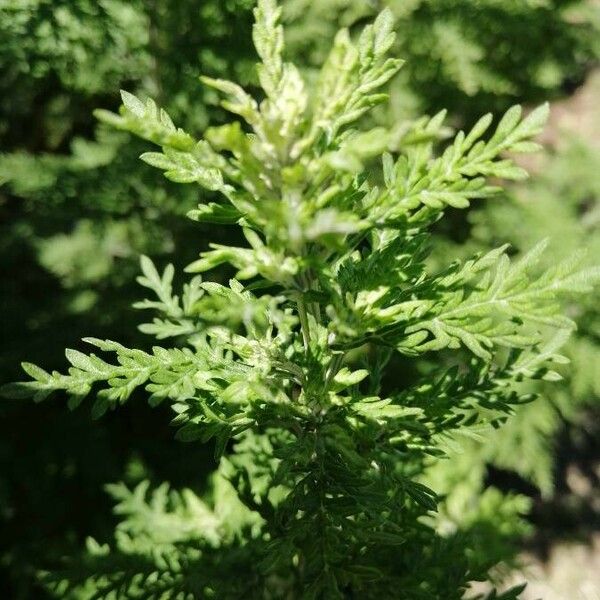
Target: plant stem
<point>334,367</point>
<point>302,313</point>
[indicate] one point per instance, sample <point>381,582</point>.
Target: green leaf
<point>133,104</point>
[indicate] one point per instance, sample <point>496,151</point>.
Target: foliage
<point>72,196</point>
<point>62,59</point>
<point>467,57</point>
<point>75,213</point>
<point>322,452</point>
<point>563,203</point>
<point>463,55</point>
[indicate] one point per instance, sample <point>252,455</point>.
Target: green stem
<point>302,313</point>
<point>334,367</point>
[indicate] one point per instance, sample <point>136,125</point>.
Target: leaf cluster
<point>284,368</point>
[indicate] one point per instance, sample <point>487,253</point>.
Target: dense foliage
<point>562,203</point>
<point>322,451</point>
<point>467,56</point>
<point>76,211</point>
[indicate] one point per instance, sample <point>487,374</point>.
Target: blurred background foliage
<point>77,208</point>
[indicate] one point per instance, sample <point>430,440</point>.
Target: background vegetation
<point>76,210</point>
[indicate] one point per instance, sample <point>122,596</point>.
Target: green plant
<point>464,55</point>
<point>72,203</point>
<point>562,203</point>
<point>75,214</point>
<point>322,451</point>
